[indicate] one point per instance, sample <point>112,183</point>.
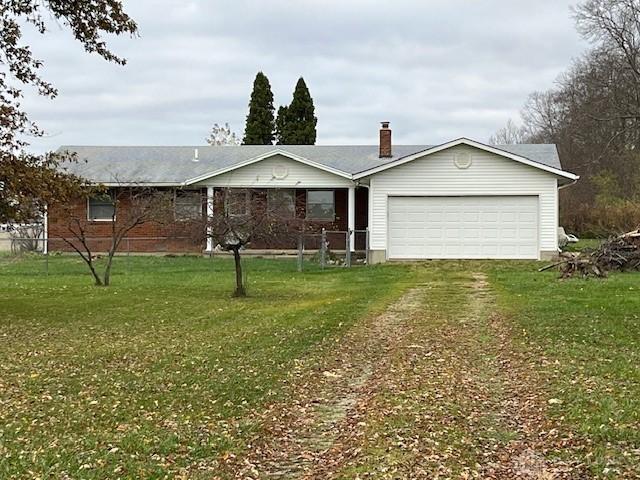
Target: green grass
<point>590,330</point>
<point>161,369</point>
<point>583,244</point>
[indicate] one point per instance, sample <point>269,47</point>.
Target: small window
<point>237,202</point>
<point>321,205</point>
<point>281,202</point>
<point>101,207</point>
<point>188,205</point>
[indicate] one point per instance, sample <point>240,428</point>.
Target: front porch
<point>341,212</point>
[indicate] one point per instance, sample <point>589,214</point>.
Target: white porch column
<point>210,244</point>
<point>351,217</point>
<point>45,233</point>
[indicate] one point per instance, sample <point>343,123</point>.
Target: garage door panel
<point>470,233</point>
<point>470,217</point>
<point>433,251</point>
<point>463,227</point>
<point>434,233</point>
<point>416,217</point>
<point>527,217</point>
<point>508,233</point>
<point>528,233</point>
<point>508,217</point>
<point>489,250</point>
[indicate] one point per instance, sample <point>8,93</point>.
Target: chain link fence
<point>334,248</point>
<point>326,249</point>
<point>39,250</point>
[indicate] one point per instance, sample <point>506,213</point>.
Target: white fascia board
<point>138,184</point>
<point>264,156</point>
<point>471,143</point>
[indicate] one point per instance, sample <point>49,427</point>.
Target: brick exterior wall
<point>150,237</point>
<point>155,238</point>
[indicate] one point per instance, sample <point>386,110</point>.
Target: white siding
<point>489,174</point>
<point>265,173</point>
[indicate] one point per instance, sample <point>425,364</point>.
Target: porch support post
<point>45,231</point>
<point>209,216</point>
<point>351,218</point>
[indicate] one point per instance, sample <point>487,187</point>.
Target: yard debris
<point>620,253</point>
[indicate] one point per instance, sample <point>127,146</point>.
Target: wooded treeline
<point>593,115</point>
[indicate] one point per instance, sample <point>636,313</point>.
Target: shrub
<point>602,219</point>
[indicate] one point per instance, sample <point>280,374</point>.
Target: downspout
<point>560,187</point>
<point>569,184</point>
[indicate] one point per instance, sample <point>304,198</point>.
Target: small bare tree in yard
<point>245,216</point>
<point>124,209</point>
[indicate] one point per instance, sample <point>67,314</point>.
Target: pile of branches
<point>616,254</point>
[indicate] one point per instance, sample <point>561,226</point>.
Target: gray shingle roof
<point>175,165</point>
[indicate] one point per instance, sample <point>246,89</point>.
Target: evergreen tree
<point>298,123</point>
<point>282,125</point>
<point>260,122</point>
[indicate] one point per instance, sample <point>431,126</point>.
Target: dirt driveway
<point>434,387</point>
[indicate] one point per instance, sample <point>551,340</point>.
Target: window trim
<point>247,195</point>
<point>308,217</point>
<point>194,193</point>
<point>292,191</point>
<point>110,219</point>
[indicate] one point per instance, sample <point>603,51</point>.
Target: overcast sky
<point>437,69</point>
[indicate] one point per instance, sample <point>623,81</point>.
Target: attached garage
<point>492,227</point>
<point>466,200</point>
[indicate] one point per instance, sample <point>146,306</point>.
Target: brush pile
<point>616,254</point>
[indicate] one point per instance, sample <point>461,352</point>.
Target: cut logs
<point>620,253</point>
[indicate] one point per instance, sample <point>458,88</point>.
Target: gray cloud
<point>436,69</point>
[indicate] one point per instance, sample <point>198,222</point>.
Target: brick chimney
<point>385,140</point>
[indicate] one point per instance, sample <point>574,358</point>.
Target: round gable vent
<point>280,172</point>
<point>462,160</point>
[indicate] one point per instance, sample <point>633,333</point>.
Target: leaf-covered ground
<point>156,374</point>
<point>431,388</point>
<point>432,370</point>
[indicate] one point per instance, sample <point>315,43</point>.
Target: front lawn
<point>164,370</point>
<point>158,370</point>
<point>590,333</point>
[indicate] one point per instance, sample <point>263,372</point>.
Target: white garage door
<point>463,227</point>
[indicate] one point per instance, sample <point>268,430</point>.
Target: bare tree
<point>128,208</point>
<point>222,135</point>
<point>509,134</point>
<point>613,25</point>
<point>242,217</point>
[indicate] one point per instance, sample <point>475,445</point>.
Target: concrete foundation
<point>377,256</point>
<point>548,255</point>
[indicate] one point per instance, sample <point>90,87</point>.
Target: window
<point>321,205</point>
<point>237,202</point>
<point>281,202</point>
<point>101,207</point>
<point>188,205</point>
